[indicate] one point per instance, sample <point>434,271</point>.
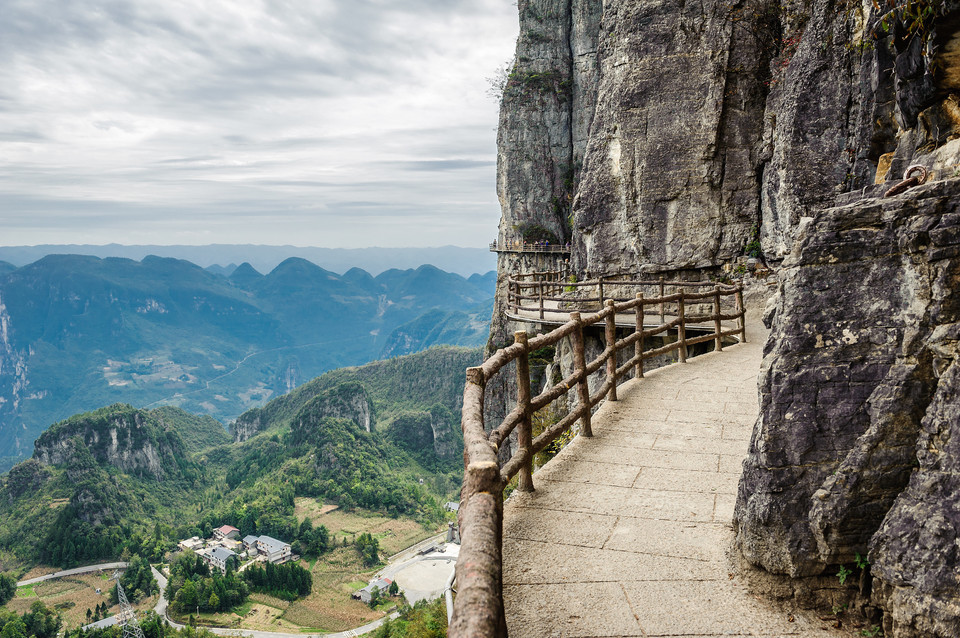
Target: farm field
<point>70,596</point>
<point>394,534</point>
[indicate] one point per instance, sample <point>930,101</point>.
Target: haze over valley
<point>80,332</point>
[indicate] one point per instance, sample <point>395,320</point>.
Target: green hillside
<point>83,332</point>
<point>121,479</point>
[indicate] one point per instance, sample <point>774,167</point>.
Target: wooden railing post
<point>681,329</point>
<point>742,320</point>
<point>524,428</point>
<point>638,346</point>
<point>718,342</point>
<point>540,295</point>
<point>580,368</point>
<point>600,289</point>
<point>611,336</point>
<point>662,304</point>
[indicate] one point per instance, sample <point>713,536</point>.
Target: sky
<point>336,123</point>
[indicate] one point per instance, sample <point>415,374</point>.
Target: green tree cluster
<point>287,582</point>
<point>312,541</point>
<point>8,588</point>
<point>193,587</point>
<point>422,620</point>
<point>40,622</point>
<point>138,582</point>
<point>369,549</point>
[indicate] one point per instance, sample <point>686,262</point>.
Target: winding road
<point>73,572</point>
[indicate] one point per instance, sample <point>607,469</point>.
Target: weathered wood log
<point>611,337</point>
<point>580,367</point>
<point>717,344</point>
<point>638,329</point>
<point>663,312</point>
<point>742,317</point>
<point>478,609</point>
<point>681,330</point>
<point>524,433</point>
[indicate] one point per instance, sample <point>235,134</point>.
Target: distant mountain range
<point>80,332</point>
<point>225,257</point>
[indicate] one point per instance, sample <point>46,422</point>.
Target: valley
<point>366,454</point>
<point>81,332</point>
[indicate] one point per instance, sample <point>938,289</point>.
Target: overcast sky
<point>308,122</point>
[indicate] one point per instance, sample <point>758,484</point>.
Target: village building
<point>226,531</point>
<point>191,544</point>
<point>366,594</point>
<point>273,550</point>
<point>218,557</point>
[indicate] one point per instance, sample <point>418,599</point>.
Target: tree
<point>8,587</point>
<point>394,588</point>
<point>14,629</point>
<point>214,602</point>
<point>374,597</point>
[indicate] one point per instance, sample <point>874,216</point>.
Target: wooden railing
<point>524,247</point>
<point>542,288</point>
<point>478,608</point>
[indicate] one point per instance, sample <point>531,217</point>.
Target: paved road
<point>73,572</point>
<point>626,532</point>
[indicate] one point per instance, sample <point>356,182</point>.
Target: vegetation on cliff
<point>121,481</point>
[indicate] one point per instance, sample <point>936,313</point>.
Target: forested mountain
<point>382,437</point>
<point>220,257</point>
<point>80,332</point>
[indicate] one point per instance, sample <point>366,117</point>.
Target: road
<point>73,572</point>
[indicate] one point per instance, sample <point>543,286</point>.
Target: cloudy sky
<point>308,122</point>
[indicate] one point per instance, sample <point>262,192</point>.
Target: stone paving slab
<point>626,532</point>
<point>532,562</point>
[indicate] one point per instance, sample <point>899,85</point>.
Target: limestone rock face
<point>853,452</point>
<point>246,425</point>
<point>123,439</point>
<point>545,116</point>
<point>13,375</point>
<point>670,178</point>
<point>346,401</point>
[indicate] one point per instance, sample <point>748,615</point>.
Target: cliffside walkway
<point>626,532</point>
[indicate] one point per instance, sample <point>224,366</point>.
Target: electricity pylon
<point>127,618</point>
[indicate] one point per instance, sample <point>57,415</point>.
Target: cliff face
<point>854,451</point>
<point>119,435</point>
<point>13,379</point>
<point>704,126</point>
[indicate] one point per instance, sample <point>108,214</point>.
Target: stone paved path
<point>627,532</point>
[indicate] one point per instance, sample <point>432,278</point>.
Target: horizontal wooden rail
<point>478,608</point>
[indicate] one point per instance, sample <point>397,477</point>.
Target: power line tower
<point>127,618</point>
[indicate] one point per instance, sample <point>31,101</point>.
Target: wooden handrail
<point>478,609</point>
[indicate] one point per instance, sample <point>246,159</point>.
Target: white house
<point>275,551</point>
<point>191,544</point>
<point>218,557</point>
<point>380,584</point>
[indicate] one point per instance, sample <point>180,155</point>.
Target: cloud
<point>281,116</point>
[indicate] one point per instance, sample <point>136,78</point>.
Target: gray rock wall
<point>670,177</point>
<point>695,128</point>
<point>853,452</point>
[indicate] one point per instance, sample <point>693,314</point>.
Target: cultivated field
<point>393,534</point>
<point>71,596</point>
